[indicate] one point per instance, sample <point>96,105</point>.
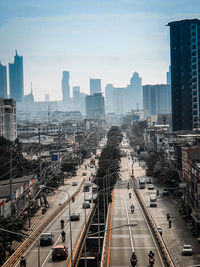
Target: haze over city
<point>98,39</point>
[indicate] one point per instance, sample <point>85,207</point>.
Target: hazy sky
<point>107,39</point>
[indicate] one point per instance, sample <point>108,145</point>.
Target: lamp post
<point>25,235</point>
<point>70,226</point>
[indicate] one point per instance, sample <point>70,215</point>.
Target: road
<point>173,237</point>
<point>54,227</point>
<point>135,238</point>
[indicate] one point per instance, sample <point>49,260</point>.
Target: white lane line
<point>59,237</point>
<point>131,237</point>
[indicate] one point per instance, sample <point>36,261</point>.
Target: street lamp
<point>70,225</point>
<point>25,235</point>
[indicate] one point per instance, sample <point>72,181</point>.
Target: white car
<point>74,183</point>
<point>187,250</point>
<point>150,187</point>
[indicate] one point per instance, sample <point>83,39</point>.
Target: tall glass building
<point>16,78</point>
<point>3,81</point>
<point>185,65</point>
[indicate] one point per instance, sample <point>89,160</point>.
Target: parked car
<point>91,166</point>
<point>148,180</point>
<point>46,239</point>
<point>59,252</point>
<point>74,183</point>
<point>86,205</point>
<point>150,187</point>
<point>75,216</point>
<point>187,250</point>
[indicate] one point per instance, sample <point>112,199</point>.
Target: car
<point>187,250</point>
<point>159,230</point>
<point>59,252</point>
<point>150,187</point>
<point>86,205</point>
<point>165,192</point>
<point>91,166</point>
<point>88,184</point>
<point>86,188</point>
<point>46,239</point>
<point>88,199</point>
<point>75,216</point>
<point>74,183</point>
<point>84,174</point>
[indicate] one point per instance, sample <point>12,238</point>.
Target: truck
<point>153,201</point>
<point>142,183</point>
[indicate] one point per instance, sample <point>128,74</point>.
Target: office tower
<point>118,100</point>
<point>3,81</point>
<point>95,107</point>
<point>76,98</point>
<point>8,125</point>
<point>29,98</point>
<point>156,99</point>
<point>169,76</point>
<point>65,86</point>
<point>185,58</point>
<point>46,98</point>
<point>16,78</point>
<point>133,93</point>
<point>109,98</point>
<point>95,86</point>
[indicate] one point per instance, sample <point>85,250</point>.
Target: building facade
<point>16,78</point>
<point>95,86</point>
<point>3,81</point>
<point>185,58</point>
<point>65,86</point>
<point>95,106</point>
<point>8,125</point>
<point>156,99</point>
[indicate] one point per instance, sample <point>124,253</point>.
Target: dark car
<point>59,252</point>
<point>46,239</point>
<point>75,216</point>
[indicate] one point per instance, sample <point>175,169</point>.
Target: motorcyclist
<point>132,208</point>
<point>158,192</point>
<point>133,259</point>
<point>128,186</point>
<point>62,222</point>
<point>63,234</point>
<point>129,195</point>
<point>168,216</point>
<point>151,254</point>
<point>170,223</point>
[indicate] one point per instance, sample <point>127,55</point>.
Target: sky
<point>106,39</point>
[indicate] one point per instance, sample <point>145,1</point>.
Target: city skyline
<point>89,39</point>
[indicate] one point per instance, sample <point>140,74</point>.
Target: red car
<point>59,252</point>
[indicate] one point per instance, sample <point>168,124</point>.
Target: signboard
<point>54,157</point>
<point>182,185</point>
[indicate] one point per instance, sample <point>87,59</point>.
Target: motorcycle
<point>62,224</point>
<point>133,262</point>
<point>151,261</point>
<point>129,195</point>
<point>63,238</point>
<point>170,223</point>
<point>132,209</point>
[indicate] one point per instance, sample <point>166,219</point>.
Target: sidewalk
<point>173,237</point>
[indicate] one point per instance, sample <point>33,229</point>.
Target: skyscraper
<point>65,86</point>
<point>95,86</point>
<point>156,99</point>
<point>95,107</point>
<point>185,73</point>
<point>169,76</point>
<point>3,81</point>
<point>109,98</point>
<point>76,98</point>
<point>16,78</point>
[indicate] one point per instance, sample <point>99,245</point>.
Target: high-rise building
<point>185,73</point>
<point>156,99</point>
<point>16,78</point>
<point>65,86</point>
<point>3,81</point>
<point>109,98</point>
<point>169,76</point>
<point>76,98</point>
<point>95,107</point>
<point>133,93</point>
<point>118,101</point>
<point>95,86</point>
<point>8,125</point>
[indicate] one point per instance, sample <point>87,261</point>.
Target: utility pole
<point>40,154</point>
<point>59,146</point>
<point>11,176</point>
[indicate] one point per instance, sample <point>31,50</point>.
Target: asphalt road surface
<point>133,238</point>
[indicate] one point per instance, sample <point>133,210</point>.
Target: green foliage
<point>136,135</point>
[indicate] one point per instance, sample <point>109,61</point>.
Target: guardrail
<point>160,242</point>
<point>12,261</point>
<point>106,238</point>
<point>82,238</point>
